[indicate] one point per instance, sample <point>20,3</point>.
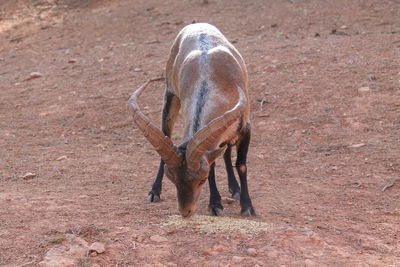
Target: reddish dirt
<point>324,158</point>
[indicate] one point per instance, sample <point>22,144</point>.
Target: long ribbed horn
<point>162,143</point>
<point>204,138</point>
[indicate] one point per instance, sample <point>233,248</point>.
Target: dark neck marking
<point>200,102</point>
<point>204,42</point>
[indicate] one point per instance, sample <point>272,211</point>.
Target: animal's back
<point>200,50</point>
<point>206,71</point>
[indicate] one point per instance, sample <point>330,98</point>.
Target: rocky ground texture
<point>324,157</point>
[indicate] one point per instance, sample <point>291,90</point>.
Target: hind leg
<point>242,149</point>
<point>234,188</point>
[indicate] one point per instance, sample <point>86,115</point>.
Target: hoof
<point>153,197</point>
<point>215,210</point>
<point>247,212</point>
<point>235,192</point>
<point>236,195</point>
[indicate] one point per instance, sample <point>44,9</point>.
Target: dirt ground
<point>324,157</point>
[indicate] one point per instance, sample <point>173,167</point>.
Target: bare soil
<point>324,158</point>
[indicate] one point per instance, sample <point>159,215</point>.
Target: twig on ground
<point>388,185</point>
<point>161,78</point>
<point>262,101</point>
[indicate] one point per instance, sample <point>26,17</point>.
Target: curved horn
<point>204,138</point>
<point>161,142</point>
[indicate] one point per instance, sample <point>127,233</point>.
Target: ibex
<point>206,78</point>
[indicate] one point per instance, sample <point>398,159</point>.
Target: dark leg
<point>169,114</point>
<point>154,194</point>
<point>215,207</point>
<point>234,188</point>
<point>245,201</point>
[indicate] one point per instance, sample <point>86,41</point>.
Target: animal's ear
<point>213,155</point>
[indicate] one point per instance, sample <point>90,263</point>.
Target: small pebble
<point>140,239</point>
<point>97,247</point>
<point>364,89</point>
<point>252,252</point>
<point>227,200</point>
<point>29,175</point>
<point>34,75</point>
<point>61,158</point>
<point>357,145</point>
<point>209,252</point>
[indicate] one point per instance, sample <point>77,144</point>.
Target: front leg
<point>169,114</point>
<point>245,201</point>
<point>215,207</point>
<point>154,194</point>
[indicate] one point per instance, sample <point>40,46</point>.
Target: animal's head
<point>188,165</point>
<point>189,177</point>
